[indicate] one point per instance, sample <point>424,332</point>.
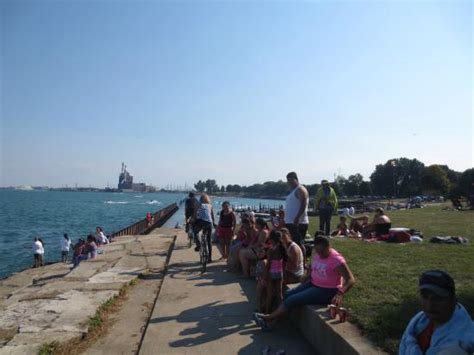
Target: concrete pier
<point>53,303</point>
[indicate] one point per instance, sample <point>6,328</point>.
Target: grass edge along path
<point>385,296</point>
<point>98,325</point>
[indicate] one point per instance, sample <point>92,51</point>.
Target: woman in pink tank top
<point>327,281</point>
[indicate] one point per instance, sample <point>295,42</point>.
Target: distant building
<point>125,179</point>
<point>140,187</point>
<point>126,183</point>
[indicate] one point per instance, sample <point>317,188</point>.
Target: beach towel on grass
<point>449,240</point>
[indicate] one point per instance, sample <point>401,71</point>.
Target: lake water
<point>50,214</point>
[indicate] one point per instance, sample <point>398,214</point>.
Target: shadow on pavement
<point>217,319</point>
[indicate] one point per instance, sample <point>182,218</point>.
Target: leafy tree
<point>466,183</point>
<point>435,180</point>
<point>277,188</point>
<point>399,177</point>
<point>200,186</point>
<point>312,189</point>
<point>352,185</point>
<point>365,188</point>
<point>339,185</point>
<point>411,173</point>
<point>211,186</point>
<point>222,188</point>
<point>453,176</point>
<point>233,188</point>
<point>254,189</point>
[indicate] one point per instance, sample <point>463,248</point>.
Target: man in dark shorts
<point>190,205</point>
<point>296,210</point>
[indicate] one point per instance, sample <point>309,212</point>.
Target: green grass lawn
<point>385,296</point>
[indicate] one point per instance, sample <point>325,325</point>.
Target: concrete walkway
<point>211,313</point>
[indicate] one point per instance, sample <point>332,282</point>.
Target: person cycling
<point>190,206</point>
<point>204,221</point>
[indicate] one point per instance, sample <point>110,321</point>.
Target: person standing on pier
<point>42,252</point>
<point>37,253</point>
<point>296,210</point>
<point>65,246</point>
<point>226,228</point>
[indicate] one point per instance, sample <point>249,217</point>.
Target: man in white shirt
<point>65,246</point>
<point>38,252</point>
<point>296,210</point>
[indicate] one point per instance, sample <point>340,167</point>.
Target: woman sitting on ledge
<point>330,279</point>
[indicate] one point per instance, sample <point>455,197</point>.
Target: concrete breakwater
<point>55,303</point>
<point>144,226</point>
<point>40,306</point>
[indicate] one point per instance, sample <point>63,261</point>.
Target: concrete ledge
<point>329,336</point>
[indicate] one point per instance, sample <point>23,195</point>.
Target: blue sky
<point>241,92</point>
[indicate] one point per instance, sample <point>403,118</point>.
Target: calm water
<point>50,214</point>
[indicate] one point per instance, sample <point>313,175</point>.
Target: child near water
<point>276,256</point>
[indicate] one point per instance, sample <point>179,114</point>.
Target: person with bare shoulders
<point>296,210</point>
<point>328,280</point>
<point>294,265</point>
<point>226,228</point>
<point>380,225</point>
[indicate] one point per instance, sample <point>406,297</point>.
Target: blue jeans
<point>307,293</point>
<point>76,260</point>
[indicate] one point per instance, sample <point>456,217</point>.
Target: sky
<point>240,92</point>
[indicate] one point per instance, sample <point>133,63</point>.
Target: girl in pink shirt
<point>276,256</point>
<point>329,280</point>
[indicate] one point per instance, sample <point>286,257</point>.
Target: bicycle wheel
<point>203,264</point>
<point>203,255</point>
<point>190,239</point>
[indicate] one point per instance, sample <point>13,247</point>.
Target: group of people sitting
<point>82,250</point>
<point>88,248</point>
<point>360,227</point>
<point>268,252</point>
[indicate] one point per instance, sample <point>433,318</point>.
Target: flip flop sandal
<point>259,321</point>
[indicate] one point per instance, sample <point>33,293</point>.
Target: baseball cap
<point>324,182</point>
<point>438,282</point>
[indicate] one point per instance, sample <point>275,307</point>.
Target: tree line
<point>400,177</point>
